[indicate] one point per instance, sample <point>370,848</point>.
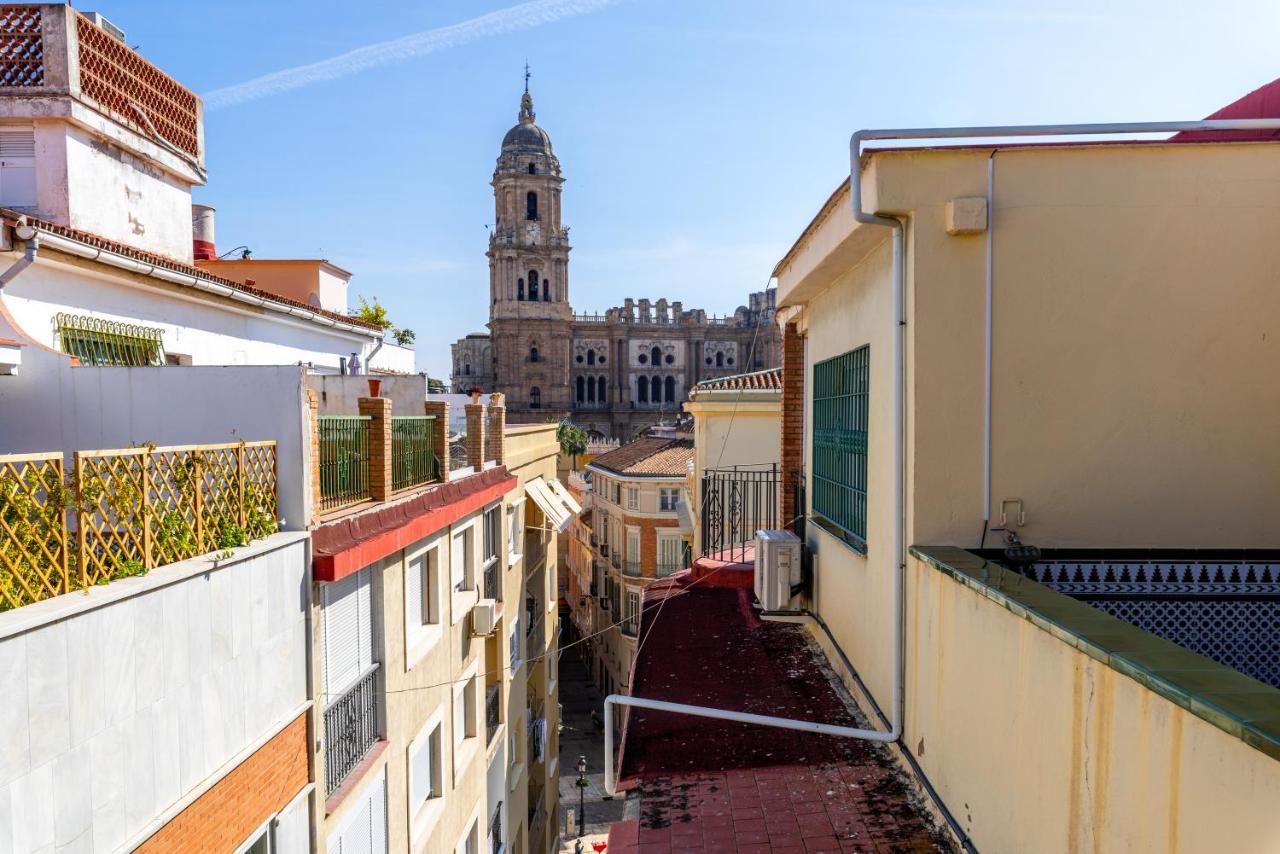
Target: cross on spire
<point>526,76</point>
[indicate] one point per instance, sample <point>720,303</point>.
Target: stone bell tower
<point>529,312</point>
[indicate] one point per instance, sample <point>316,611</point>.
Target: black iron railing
<point>495,830</point>
<point>492,712</point>
<point>492,578</point>
<point>737,502</point>
<point>350,729</point>
<point>631,568</point>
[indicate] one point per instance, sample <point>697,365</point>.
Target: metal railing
<point>492,579</point>
<point>616,560</point>
<point>344,460</point>
<point>413,456</point>
<point>492,712</point>
<point>535,551</point>
<point>534,640</point>
<point>737,502</point>
<point>666,568</point>
<point>495,831</point>
<point>631,568</point>
<point>350,729</point>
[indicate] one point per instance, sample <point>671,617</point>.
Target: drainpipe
<point>899,413</point>
<point>28,258</point>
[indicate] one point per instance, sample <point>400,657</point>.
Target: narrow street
<point>580,737</point>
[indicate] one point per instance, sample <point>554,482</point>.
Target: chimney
<point>202,242</point>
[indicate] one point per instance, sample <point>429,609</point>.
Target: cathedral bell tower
<point>528,247</point>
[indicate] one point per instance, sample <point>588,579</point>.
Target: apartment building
<point>435,651</point>
<point>1035,512</point>
<point>637,532</point>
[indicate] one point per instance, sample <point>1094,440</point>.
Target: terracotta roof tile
<point>767,380</point>
<point>175,265</point>
<point>649,456</point>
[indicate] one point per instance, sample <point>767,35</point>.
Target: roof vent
<point>96,18</point>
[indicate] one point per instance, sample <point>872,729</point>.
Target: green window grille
<point>413,458</point>
<point>344,460</point>
<point>95,341</point>
<point>841,396</point>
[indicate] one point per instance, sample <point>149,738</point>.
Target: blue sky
<point>697,137</point>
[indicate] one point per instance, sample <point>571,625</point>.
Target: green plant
<point>372,311</point>
<point>573,440</point>
<point>404,337</point>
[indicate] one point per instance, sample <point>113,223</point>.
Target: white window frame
<point>633,498</point>
<point>515,533</point>
<point>466,747</point>
<point>472,832</point>
<point>484,563</point>
<point>263,831</point>
<point>668,538</point>
<point>424,817</point>
<point>634,530</point>
<point>420,638</point>
<point>665,505</point>
<point>462,600</point>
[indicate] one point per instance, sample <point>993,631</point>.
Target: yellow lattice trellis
<point>33,529</point>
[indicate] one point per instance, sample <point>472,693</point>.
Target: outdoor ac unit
<point>484,618</point>
<point>96,18</point>
<point>777,568</point>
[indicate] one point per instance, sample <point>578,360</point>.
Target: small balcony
<point>535,550</point>
<point>493,581</point>
<point>631,568</point>
<point>737,502</point>
<point>350,729</point>
<point>492,712</point>
<point>616,560</point>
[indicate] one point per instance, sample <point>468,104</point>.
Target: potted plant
<point>375,388</point>
<point>495,398</point>
<point>475,394</point>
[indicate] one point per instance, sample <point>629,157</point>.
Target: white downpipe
<point>898,367</point>
<point>74,247</point>
<point>610,784</point>
<point>988,344</point>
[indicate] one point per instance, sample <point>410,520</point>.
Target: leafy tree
<point>573,440</point>
<point>404,336</point>
<point>436,386</point>
<point>373,312</point>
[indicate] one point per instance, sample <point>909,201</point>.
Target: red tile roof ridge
<point>157,260</point>
<point>769,379</point>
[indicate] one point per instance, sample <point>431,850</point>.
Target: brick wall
<point>240,802</point>
<point>475,434</point>
<point>792,452</point>
<point>494,434</point>
<point>379,409</point>
<point>440,409</point>
<point>313,402</point>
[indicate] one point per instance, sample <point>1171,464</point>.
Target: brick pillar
<point>379,409</point>
<point>792,451</point>
<point>313,405</point>
<point>494,433</point>
<point>440,442</point>
<point>475,435</point>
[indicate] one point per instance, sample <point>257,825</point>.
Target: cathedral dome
<point>526,137</point>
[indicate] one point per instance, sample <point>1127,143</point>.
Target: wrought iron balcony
<point>665,569</point>
<point>616,560</point>
<point>492,712</point>
<point>737,502</point>
<point>631,568</point>
<point>350,729</point>
<point>493,580</point>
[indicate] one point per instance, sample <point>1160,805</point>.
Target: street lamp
<point>582,796</point>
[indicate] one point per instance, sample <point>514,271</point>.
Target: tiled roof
<point>705,784</point>
<point>649,457</point>
<point>167,263</point>
<point>767,380</point>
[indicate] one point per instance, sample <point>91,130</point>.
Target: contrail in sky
<point>521,17</point>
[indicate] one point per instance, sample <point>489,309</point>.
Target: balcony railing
<point>492,712</point>
<point>350,729</point>
<point>534,640</point>
<point>535,550</point>
<point>126,511</point>
<point>493,580</point>
<point>616,560</point>
<point>413,456</point>
<point>666,568</point>
<point>495,831</point>
<point>631,568</point>
<point>344,460</point>
<point>737,502</point>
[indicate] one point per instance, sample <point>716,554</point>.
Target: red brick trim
<point>350,544</point>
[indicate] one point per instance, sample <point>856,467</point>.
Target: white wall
<point>51,406</point>
<point>209,330</point>
<point>340,395</point>
<point>120,701</point>
<point>393,357</point>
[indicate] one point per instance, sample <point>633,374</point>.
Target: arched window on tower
<point>719,360</point>
<point>591,390</point>
<point>655,389</point>
<point>533,352</point>
<point>533,285</point>
<point>520,289</point>
<point>642,390</point>
<point>602,390</point>
<point>535,398</point>
<point>531,205</point>
<point>581,389</point>
<point>533,168</point>
<point>670,389</point>
<point>591,357</point>
<point>655,356</point>
<point>467,370</point>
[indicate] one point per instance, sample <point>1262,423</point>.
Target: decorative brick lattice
<point>128,86</point>
<point>21,47</point>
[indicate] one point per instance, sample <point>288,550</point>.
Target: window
<point>464,712</point>
<point>633,498</point>
<point>514,641</point>
<point>421,602</point>
<point>365,828</point>
<point>259,842</point>
<point>719,360</point>
<point>655,356</point>
<point>535,398</point>
<point>601,390</point>
<point>347,622</point>
<point>470,843</point>
<point>95,341</point>
<point>515,531</point>
<point>531,205</point>
<point>18,167</point>
<point>533,285</point>
<point>591,390</point>
<point>668,500</point>
<point>520,289</point>
<point>492,543</point>
<point>581,390</point>
<point>467,371</point>
<point>642,390</point>
<point>533,168</point>
<point>461,554</point>
<point>671,555</point>
<point>591,357</point>
<point>533,353</point>
<point>669,384</point>
<point>425,755</point>
<point>633,544</point>
<point>655,391</point>
<point>631,612</point>
<point>841,397</point>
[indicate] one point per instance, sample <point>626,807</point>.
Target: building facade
<point>613,373</point>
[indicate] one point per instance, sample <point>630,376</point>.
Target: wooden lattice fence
<point>125,511</point>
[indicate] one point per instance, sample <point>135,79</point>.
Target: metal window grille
<point>344,460</point>
<point>841,397</point>
<point>350,729</point>
<point>495,830</point>
<point>95,341</point>
<point>413,458</point>
<point>492,711</point>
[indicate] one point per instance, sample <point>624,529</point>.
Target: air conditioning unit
<point>777,568</point>
<point>484,618</point>
<point>96,18</point>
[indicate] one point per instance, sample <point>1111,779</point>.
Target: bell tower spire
<point>527,115</point>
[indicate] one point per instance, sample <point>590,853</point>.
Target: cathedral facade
<point>612,374</point>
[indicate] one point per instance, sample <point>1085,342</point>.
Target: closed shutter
<point>633,545</point>
<point>365,832</point>
<point>291,829</point>
<point>413,572</point>
<point>348,632</point>
<point>420,774</point>
<point>18,167</point>
<point>458,560</point>
<point>460,716</point>
<point>669,552</point>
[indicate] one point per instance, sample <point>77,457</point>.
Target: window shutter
<point>458,559</point>
<point>459,717</point>
<point>420,775</point>
<point>366,830</point>
<point>633,545</point>
<point>413,572</point>
<point>348,635</point>
<point>18,168</point>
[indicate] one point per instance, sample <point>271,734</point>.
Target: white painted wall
<point>211,332</point>
<point>340,395</point>
<point>51,406</point>
<point>393,357</point>
<point>332,291</point>
<point>121,701</point>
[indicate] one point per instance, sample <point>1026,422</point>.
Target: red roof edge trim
<point>1261,103</point>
